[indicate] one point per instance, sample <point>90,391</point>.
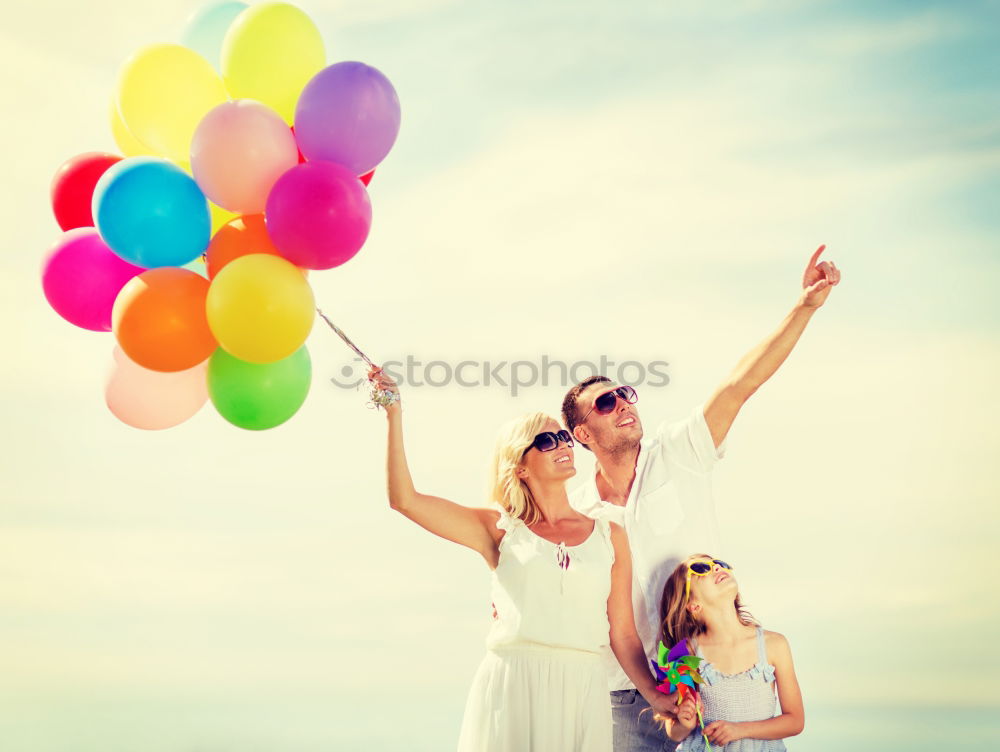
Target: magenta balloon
<point>154,400</point>
<point>318,215</point>
<point>349,114</point>
<point>81,278</point>
<point>239,149</point>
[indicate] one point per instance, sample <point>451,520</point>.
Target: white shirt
<point>669,515</point>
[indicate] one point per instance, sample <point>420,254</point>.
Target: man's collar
<point>594,497</point>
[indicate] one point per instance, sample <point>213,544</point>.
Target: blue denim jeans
<point>635,730</point>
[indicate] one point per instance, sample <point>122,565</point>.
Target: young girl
<point>561,589</point>
<point>742,666</point>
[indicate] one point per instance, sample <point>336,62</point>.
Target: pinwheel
<point>676,670</point>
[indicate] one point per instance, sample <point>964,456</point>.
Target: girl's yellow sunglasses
<point>701,567</point>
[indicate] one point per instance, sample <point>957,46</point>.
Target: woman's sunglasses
<point>606,402</point>
<point>701,568</point>
<point>546,441</point>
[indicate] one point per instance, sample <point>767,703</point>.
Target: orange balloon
<point>160,322</point>
<point>238,237</point>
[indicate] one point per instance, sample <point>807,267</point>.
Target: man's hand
<point>817,280</point>
<point>663,704</point>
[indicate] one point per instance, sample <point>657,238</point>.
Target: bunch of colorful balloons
<point>244,164</point>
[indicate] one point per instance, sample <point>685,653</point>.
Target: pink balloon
<point>81,278</point>
<point>318,215</point>
<point>239,150</point>
<point>154,400</point>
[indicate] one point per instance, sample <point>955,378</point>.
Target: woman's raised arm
<point>473,528</point>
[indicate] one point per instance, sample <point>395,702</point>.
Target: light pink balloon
<point>81,278</point>
<point>154,400</point>
<point>239,150</point>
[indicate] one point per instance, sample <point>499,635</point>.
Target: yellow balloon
<point>128,144</point>
<point>164,90</point>
<point>269,54</point>
<point>260,308</point>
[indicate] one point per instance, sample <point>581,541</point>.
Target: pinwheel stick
<point>701,723</point>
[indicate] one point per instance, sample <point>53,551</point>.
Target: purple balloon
<point>348,113</point>
<point>318,215</point>
<point>81,277</point>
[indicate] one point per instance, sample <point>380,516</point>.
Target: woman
<point>559,578</point>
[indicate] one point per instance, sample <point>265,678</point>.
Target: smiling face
<point>619,430</point>
<point>546,467</point>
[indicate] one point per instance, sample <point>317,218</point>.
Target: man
<point>659,489</point>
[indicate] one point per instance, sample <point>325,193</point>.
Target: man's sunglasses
<point>701,567</point>
<point>546,441</point>
<point>605,403</point>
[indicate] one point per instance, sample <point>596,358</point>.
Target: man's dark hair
<point>571,414</point>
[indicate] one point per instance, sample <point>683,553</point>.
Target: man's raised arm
<point>758,365</point>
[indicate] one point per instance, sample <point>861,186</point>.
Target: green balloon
<point>258,396</point>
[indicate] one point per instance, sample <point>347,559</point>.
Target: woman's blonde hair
<point>507,490</point>
<point>677,622</point>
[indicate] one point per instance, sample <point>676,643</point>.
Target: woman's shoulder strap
<point>602,527</point>
<point>506,521</point>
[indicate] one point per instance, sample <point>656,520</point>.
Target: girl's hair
<point>676,621</point>
<point>507,490</point>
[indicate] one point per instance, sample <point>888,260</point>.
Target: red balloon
<point>366,178</point>
<point>73,188</point>
<point>301,158</point>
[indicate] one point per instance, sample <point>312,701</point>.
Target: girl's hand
<point>381,380</point>
<point>687,719</point>
<point>723,732</point>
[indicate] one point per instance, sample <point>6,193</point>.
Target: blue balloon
<point>207,27</point>
<point>151,213</point>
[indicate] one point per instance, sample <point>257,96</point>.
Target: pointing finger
<point>812,261</point>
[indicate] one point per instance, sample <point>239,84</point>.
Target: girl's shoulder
<point>774,638</point>
<point>777,647</point>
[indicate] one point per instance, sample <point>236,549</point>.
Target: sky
<point>643,181</point>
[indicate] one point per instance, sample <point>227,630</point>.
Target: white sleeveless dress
<point>542,686</point>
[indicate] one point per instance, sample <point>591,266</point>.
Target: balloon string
<point>379,397</point>
<point>347,340</point>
